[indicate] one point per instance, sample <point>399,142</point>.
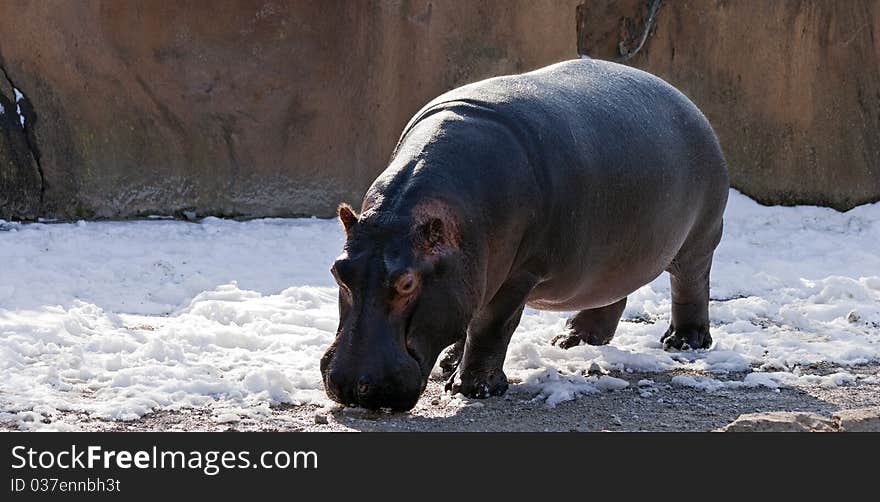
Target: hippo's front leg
<point>480,373</point>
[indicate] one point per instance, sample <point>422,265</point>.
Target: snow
<point>18,97</point>
<point>114,320</point>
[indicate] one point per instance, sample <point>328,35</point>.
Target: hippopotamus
<point>566,188</point>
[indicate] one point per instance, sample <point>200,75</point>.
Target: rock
<point>321,419</point>
<point>363,413</point>
<point>858,420</point>
<point>20,180</point>
<point>595,369</point>
<point>781,421</point>
<point>853,317</point>
<point>855,420</point>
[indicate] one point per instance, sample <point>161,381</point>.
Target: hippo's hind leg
<point>451,358</point>
<point>480,373</point>
<point>689,280</point>
<point>592,326</point>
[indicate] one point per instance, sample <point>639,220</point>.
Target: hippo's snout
<point>394,382</point>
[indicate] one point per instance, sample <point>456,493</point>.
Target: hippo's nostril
<point>363,386</point>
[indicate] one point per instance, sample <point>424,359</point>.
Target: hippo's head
<point>403,298</point>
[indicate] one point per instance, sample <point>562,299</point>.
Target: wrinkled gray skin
<point>566,188</point>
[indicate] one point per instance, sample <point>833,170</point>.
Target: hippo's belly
<point>593,292</point>
<point>623,244</point>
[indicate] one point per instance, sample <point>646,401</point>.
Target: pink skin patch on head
<point>436,223</point>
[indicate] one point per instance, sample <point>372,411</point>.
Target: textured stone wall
<point>267,108</point>
<point>791,87</point>
<point>239,108</point>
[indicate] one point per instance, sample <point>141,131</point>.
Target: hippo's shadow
<point>660,407</point>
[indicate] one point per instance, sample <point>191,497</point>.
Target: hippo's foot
<point>478,385</point>
<point>686,338</point>
<point>451,359</point>
<point>592,326</point>
<point>571,339</point>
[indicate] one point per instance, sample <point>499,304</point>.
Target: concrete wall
<point>239,108</point>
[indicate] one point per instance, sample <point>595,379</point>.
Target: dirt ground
<point>667,408</point>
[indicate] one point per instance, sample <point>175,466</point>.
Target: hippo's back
<point>585,110</point>
<point>617,154</point>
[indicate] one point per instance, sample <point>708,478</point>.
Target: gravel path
<point>667,408</point>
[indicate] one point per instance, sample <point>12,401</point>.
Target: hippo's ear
<point>436,228</point>
<point>347,217</point>
<point>436,236</point>
<point>432,233</point>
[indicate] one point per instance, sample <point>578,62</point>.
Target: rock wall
<point>270,108</point>
<point>792,88</point>
<point>20,179</point>
<point>237,108</point>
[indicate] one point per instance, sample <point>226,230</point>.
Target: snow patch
<point>118,319</point>
<point>18,97</point>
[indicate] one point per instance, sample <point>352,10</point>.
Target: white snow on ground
<point>115,319</point>
<point>18,97</point>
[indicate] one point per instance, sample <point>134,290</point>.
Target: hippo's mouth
<point>407,336</point>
